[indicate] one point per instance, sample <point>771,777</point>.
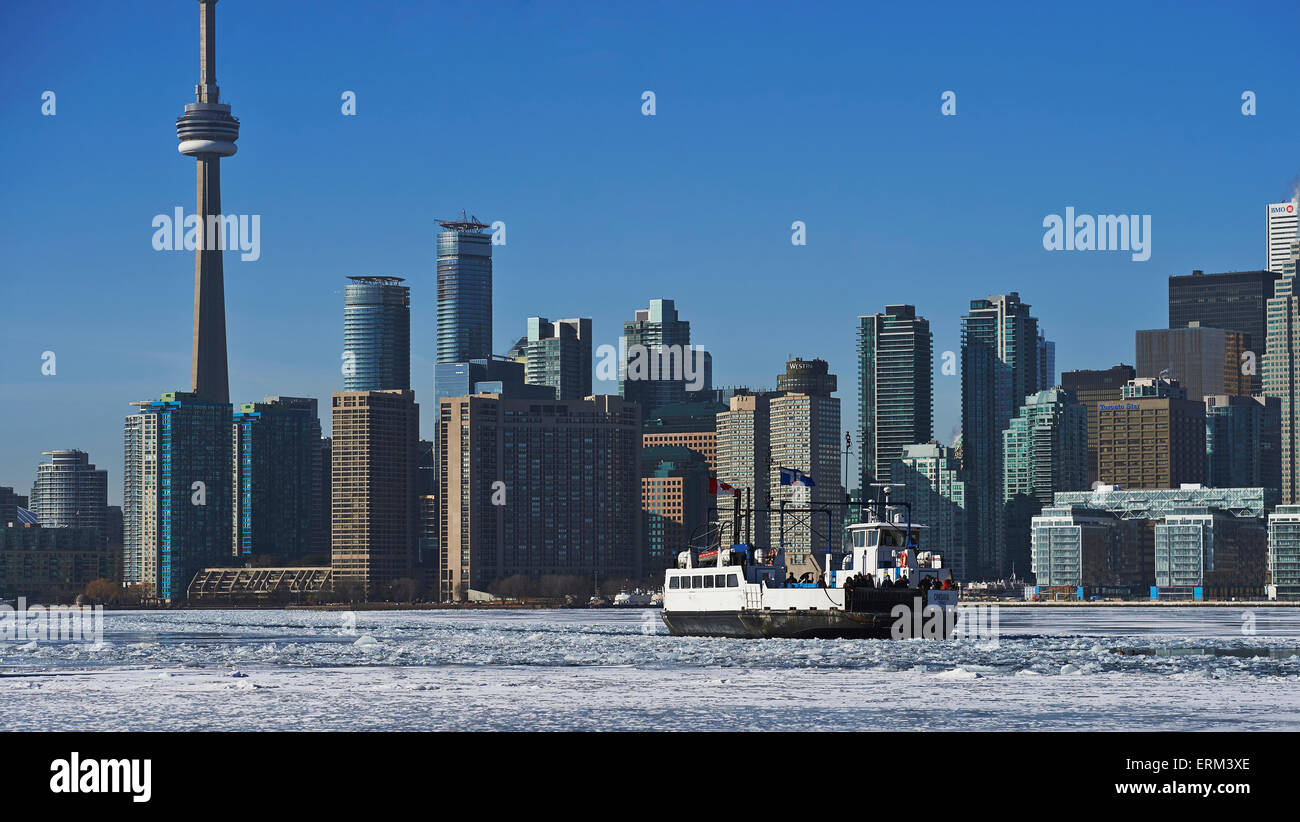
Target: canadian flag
<point>718,487</point>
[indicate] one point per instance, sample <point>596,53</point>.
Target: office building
<point>1281,228</point>
<point>1203,360</point>
<point>276,478</point>
<point>558,354</point>
<point>1154,437</point>
<point>52,565</point>
<point>1243,442</point>
<point>675,503</point>
<point>933,485</point>
<point>464,291</point>
<point>1091,387</point>
<point>1234,300</point>
<point>805,435</point>
<point>895,388</point>
<point>533,488</point>
<point>374,454</point>
<point>376,335</point>
<point>1001,365</point>
<point>70,492</point>
<point>1282,369</point>
<point>1284,553</point>
<point>657,363</point>
<point>177,492</point>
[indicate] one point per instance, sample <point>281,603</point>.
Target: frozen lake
<point>1050,669</point>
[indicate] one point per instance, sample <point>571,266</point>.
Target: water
<point>1160,668</point>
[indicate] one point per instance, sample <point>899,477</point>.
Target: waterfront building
<point>744,458</point>
<point>70,492</point>
<point>52,565</point>
<point>535,488</point>
<point>276,478</point>
<point>1200,547</point>
<point>895,388</point>
<point>1284,553</point>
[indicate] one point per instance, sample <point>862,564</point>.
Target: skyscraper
<point>558,354</point>
<point>1282,369</point>
<point>464,291</point>
<point>1232,300</point>
<point>376,335</point>
<point>1001,365</point>
<point>745,457</point>
<point>805,435</point>
<point>10,502</point>
<point>534,488</point>
<point>1281,227</point>
<point>657,364</point>
<point>1202,359</point>
<point>895,388</point>
<point>177,492</point>
<point>277,450</point>
<point>675,501</point>
<point>71,493</point>
<point>1092,387</point>
<point>207,132</point>
<point>374,488</point>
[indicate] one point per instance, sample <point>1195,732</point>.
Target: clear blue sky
<point>531,113</point>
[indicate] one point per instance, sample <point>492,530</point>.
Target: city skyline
<point>282,309</point>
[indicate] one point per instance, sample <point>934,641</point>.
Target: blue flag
<point>793,476</point>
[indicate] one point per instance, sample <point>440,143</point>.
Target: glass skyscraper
<point>464,291</point>
<point>1001,357</point>
<point>558,354</point>
<point>277,455</point>
<point>656,347</point>
<point>376,335</point>
<point>1282,369</point>
<point>895,388</point>
<point>70,492</point>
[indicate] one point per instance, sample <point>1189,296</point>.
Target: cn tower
<point>207,132</point>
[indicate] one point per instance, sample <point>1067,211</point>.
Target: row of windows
<point>705,581</point>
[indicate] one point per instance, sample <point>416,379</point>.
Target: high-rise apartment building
<point>657,363</point>
<point>464,291</point>
<point>690,425</point>
<point>932,482</point>
<point>71,493</point>
<point>1284,553</point>
<point>745,460</point>
<point>374,452</point>
<point>177,492</point>
<point>1154,437</point>
<point>534,488</point>
<point>376,335</point>
<point>1002,355</point>
<point>1202,359</point>
<point>276,478</point>
<point>1282,369</point>
<point>805,435</point>
<point>895,387</point>
<point>558,354</point>
<point>1091,387</point>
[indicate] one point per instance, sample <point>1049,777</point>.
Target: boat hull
<point>875,619</point>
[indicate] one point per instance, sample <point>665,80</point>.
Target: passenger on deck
<point>807,577</point>
<point>869,582</point>
<point>947,585</point>
<point>926,582</point>
<point>901,583</point>
<point>821,581</point>
<point>790,580</point>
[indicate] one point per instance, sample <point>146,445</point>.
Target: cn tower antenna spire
<point>207,132</point>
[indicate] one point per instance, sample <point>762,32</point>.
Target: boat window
<point>732,581</point>
<point>708,581</point>
<point>673,582</point>
<point>875,538</point>
<point>722,580</point>
<point>859,539</point>
<point>697,583</point>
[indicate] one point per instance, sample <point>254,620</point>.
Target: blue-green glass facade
<point>376,335</point>
<point>277,451</point>
<point>464,293</point>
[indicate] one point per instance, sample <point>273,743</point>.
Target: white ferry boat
<point>884,586</point>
